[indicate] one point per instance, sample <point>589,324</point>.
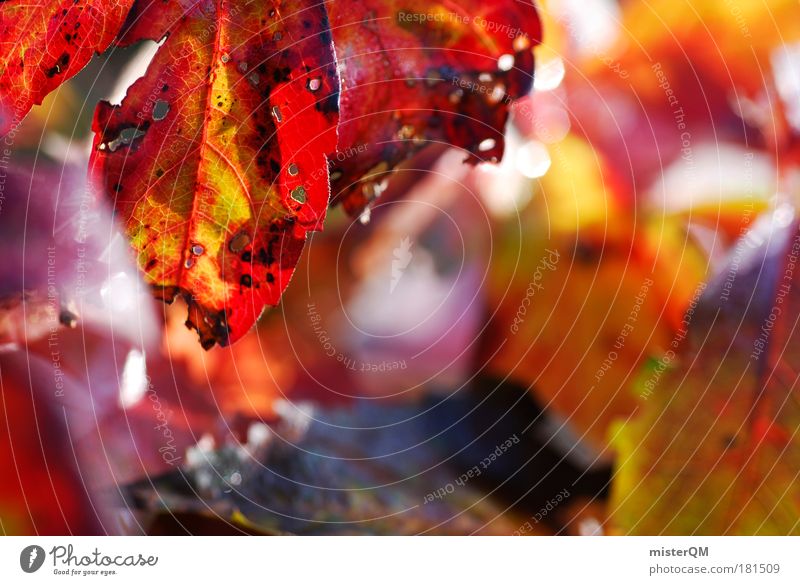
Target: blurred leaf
<point>41,491</point>
<point>714,448</point>
<point>586,288</point>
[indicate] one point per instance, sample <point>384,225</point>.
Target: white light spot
<point>133,385</point>
<point>258,434</point>
<point>548,75</point>
<point>119,293</point>
<point>487,145</point>
<point>505,62</point>
<point>783,215</point>
<point>594,26</point>
<point>590,527</point>
<point>533,159</point>
<point>786,71</point>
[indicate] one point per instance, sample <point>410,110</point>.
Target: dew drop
<point>276,112</point>
<point>243,67</point>
<point>198,250</point>
<point>254,78</point>
<point>277,36</point>
<point>487,145</point>
<point>314,84</point>
<point>225,58</point>
<point>293,170</point>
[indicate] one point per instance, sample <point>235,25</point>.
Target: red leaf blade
<point>44,44</point>
<point>217,156</point>
<point>415,73</point>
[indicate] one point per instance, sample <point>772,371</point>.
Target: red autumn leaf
<point>217,161</point>
<point>44,43</point>
<point>42,491</point>
<point>216,158</point>
<point>417,72</point>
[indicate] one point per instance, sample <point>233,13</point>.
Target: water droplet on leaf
<point>487,145</point>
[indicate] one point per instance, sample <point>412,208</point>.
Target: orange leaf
<point>216,158</point>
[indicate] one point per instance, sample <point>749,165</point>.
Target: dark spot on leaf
<point>68,318</point>
<point>281,75</point>
<point>265,257</point>
<point>59,67</point>
<point>329,104</point>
